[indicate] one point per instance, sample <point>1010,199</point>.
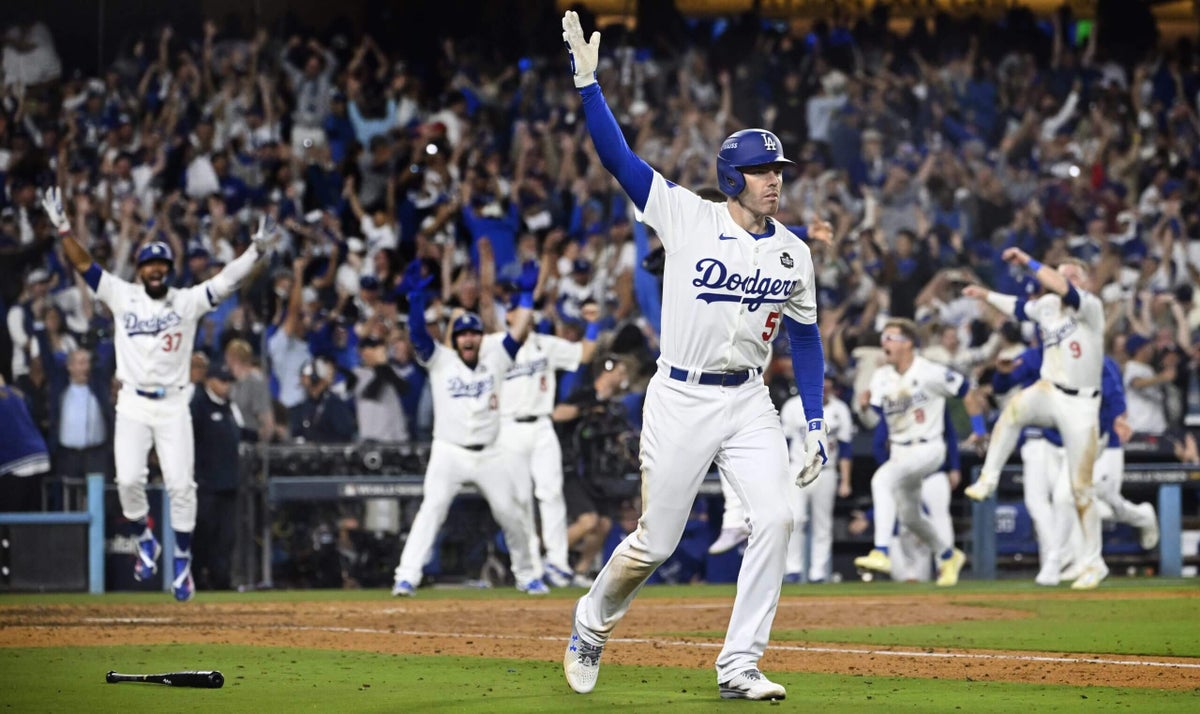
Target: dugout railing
<point>1170,480</point>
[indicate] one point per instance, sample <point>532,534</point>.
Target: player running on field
<point>732,276</point>
<point>465,382</point>
<point>910,393</point>
<point>1070,322</point>
<point>155,327</point>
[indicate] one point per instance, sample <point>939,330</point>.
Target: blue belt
<point>718,379</point>
<point>159,393</point>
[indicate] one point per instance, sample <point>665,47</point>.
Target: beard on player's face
<point>154,279</point>
<point>467,346</point>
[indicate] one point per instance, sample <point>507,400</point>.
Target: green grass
<point>1164,627</point>
<point>268,679</point>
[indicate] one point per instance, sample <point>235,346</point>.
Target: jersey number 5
<point>772,325</point>
<point>172,341</point>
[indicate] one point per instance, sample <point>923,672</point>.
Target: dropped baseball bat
<point>202,680</point>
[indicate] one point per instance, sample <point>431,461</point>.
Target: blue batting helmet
<point>155,251</point>
<point>743,149</point>
<point>467,322</point>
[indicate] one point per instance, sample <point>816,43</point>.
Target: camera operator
<point>599,447</point>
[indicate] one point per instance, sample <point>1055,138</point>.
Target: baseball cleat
<point>1091,577</point>
<point>949,569</point>
<point>579,580</point>
<point>876,560</point>
<point>729,539</point>
<point>981,490</point>
<point>581,663</point>
<point>792,579</point>
<point>534,587</point>
<point>403,588</point>
<point>1071,571</point>
<point>556,577</point>
<point>183,585</point>
<point>1148,536</point>
<point>752,684</point>
<point>146,563</point>
<point>1049,574</point>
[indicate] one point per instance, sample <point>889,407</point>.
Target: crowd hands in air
<point>942,160</point>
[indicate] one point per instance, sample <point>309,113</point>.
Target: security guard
<point>216,424</point>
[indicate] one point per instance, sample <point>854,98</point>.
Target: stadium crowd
<point>930,152</point>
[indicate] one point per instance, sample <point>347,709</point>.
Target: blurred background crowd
<point>930,148</point>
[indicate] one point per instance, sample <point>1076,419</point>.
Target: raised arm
<point>634,174</point>
<point>79,256</point>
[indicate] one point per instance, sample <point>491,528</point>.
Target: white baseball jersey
<point>154,338</point>
<point>838,424</point>
<point>1144,407</point>
<point>914,403</point>
<point>529,383</point>
<point>466,403</point>
<point>724,292</point>
<point>1072,340</point>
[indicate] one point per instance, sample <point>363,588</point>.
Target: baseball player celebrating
<point>732,276</point>
<point>910,392</point>
<point>465,382</point>
<point>815,504</point>
<point>155,329</point>
<point>1070,322</point>
<point>526,400</point>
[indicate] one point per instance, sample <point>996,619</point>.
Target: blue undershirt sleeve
<point>511,346</point>
<point>92,276</point>
<point>1019,310</point>
<point>951,435</point>
<point>1071,299</point>
<point>879,440</point>
<point>634,174</point>
<point>808,363</point>
<point>418,333</point>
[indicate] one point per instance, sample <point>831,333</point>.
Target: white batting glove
<point>264,238</point>
<point>584,55</point>
<point>816,453</point>
<point>52,204</point>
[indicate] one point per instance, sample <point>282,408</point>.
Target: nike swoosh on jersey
<point>725,237</point>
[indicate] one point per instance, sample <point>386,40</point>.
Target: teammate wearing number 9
<point>155,328</point>
<point>1070,321</point>
<point>731,274</point>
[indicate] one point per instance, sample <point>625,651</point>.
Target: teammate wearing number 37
<point>1070,322</point>
<point>155,328</point>
<point>733,277</point>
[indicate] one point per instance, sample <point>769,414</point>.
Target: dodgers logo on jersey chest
<point>753,289</point>
<point>462,389</point>
<point>149,325</point>
<point>527,369</point>
<point>1060,333</point>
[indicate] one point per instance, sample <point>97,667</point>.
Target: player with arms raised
<point>1070,320</point>
<point>155,328</point>
<point>732,276</point>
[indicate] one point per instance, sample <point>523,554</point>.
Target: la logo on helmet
<point>769,142</point>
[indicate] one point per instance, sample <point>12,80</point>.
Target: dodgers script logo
<point>752,290</point>
<point>1053,337</point>
<point>527,369</point>
<point>901,404</point>
<point>462,389</point>
<point>151,325</point>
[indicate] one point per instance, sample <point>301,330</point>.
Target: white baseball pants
<point>165,424</point>
<point>912,559</point>
<point>812,506</point>
<point>1077,420</point>
<point>685,427</point>
<point>536,453</point>
<point>510,499</point>
<point>896,493</point>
